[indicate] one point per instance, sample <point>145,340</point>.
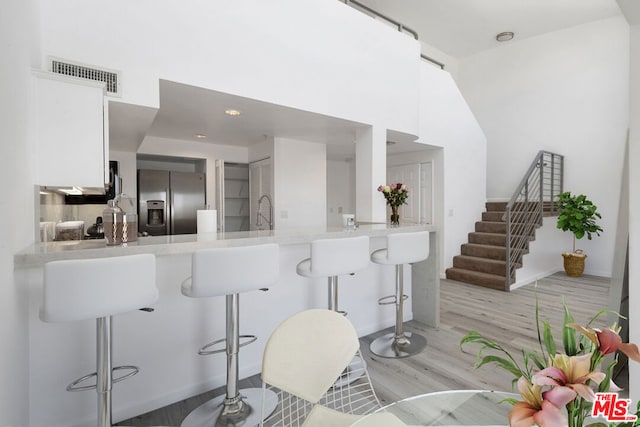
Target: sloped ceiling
<point>463,27</point>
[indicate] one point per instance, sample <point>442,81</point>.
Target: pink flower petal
<point>596,376</point>
<point>631,350</point>
<point>580,366</point>
<point>609,341</point>
<point>584,391</point>
<point>521,415</point>
<point>550,416</point>
<point>549,376</point>
<point>613,387</point>
<point>559,396</point>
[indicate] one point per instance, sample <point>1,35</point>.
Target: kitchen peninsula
<point>164,343</point>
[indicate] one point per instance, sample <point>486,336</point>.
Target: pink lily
<point>572,372</point>
<point>608,341</point>
<point>544,409</point>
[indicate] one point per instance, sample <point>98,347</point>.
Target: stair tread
<point>476,273</point>
<point>485,245</point>
<point>497,234</point>
<point>499,222</point>
<point>481,259</point>
<point>476,278</point>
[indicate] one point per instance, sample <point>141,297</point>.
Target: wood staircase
<point>499,242</point>
<point>482,261</point>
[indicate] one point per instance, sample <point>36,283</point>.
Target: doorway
<point>418,177</point>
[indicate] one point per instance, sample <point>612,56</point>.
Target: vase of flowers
<point>396,196</point>
<point>562,388</point>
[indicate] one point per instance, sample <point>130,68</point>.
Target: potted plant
<point>578,215</point>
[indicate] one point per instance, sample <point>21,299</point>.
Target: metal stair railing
<point>534,195</point>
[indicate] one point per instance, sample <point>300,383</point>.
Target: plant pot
<point>574,263</point>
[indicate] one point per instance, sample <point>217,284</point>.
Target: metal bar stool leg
<point>355,369</point>
<point>104,366</point>
<point>237,406</point>
<point>398,344</point>
<point>234,408</point>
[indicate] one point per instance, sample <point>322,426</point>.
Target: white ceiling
<point>457,27</point>
<point>463,27</point>
<point>188,110</point>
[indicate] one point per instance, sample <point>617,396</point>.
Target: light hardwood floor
<point>508,318</point>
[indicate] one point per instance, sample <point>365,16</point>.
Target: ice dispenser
<point>155,212</point>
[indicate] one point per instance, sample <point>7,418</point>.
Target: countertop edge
<point>39,254</point>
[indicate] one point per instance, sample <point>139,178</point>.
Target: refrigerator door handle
<point>170,224</point>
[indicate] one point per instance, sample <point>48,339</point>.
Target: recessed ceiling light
<point>232,112</point>
<point>200,135</point>
<point>505,36</point>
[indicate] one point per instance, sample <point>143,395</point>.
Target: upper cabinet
<point>70,130</point>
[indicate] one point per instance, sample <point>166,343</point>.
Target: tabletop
<point>447,408</point>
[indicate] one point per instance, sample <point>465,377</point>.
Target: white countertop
<point>40,253</point>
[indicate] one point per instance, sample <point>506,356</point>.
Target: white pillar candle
<point>207,221</point>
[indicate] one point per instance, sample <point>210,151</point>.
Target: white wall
<point>565,92</point>
<point>19,47</point>
<point>193,150</point>
<point>341,188</point>
<point>127,170</point>
<point>450,63</point>
<point>300,184</point>
<point>634,210</point>
<point>358,70</point>
<point>446,121</point>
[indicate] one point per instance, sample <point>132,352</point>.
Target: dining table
<point>468,408</point>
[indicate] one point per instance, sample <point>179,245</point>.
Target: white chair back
<point>337,257</point>
<point>93,288</point>
<point>308,351</point>
<point>302,360</point>
<point>226,271</point>
<point>404,248</point>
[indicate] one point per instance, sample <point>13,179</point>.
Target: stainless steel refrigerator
<point>168,201</point>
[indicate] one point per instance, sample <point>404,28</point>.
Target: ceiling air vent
<point>110,78</point>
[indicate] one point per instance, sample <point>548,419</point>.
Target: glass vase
<point>395,216</point>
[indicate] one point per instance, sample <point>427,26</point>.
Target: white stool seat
<point>229,272</point>
<point>92,288</point>
<point>97,289</point>
<point>336,257</point>
<point>224,271</point>
<point>402,248</point>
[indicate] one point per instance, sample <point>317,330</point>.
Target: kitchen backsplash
<point>53,209</point>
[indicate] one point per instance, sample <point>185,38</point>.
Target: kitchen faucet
<point>259,215</point>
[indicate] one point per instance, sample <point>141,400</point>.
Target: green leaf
<point>549,343</point>
<point>568,334</point>
<point>502,363</point>
<point>604,385</point>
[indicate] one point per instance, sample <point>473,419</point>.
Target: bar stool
<point>402,248</point>
<point>335,257</point>
<point>98,289</point>
<point>228,272</point>
<point>332,258</point>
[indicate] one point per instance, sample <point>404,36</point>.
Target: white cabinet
<point>70,131</point>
